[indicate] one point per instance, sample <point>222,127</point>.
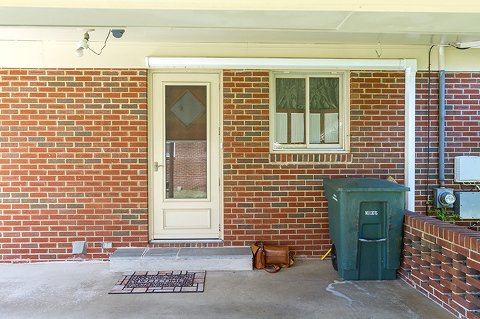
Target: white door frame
<point>216,120</point>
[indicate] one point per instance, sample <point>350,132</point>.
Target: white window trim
<point>344,114</point>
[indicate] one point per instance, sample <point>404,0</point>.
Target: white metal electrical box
<point>467,205</point>
<point>467,169</point>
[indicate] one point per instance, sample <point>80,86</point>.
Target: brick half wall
<point>442,261</point>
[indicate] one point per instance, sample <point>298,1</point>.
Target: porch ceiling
<point>149,22</point>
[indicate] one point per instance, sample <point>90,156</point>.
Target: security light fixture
<point>84,44</point>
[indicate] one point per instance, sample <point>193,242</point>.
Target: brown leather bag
<point>271,256</point>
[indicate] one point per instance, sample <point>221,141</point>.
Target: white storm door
<point>185,184</point>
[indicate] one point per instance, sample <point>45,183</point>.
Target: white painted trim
<point>158,204</point>
<point>343,146</point>
<point>277,63</point>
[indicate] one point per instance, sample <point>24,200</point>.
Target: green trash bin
<point>365,222</point>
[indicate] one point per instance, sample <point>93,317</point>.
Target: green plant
<point>441,213</point>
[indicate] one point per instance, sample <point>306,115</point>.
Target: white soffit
<point>277,5</point>
<point>222,19</point>
<point>345,22</point>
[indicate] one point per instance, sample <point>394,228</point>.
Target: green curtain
<point>324,93</point>
<point>290,93</point>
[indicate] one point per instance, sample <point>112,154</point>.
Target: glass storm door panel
<point>186,141</point>
<point>185,162</point>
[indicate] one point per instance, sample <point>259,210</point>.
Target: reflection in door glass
<point>186,142</point>
<point>186,170</point>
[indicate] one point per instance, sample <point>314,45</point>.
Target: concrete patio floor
<point>309,289</point>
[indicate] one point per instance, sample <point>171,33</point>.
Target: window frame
<point>343,145</point>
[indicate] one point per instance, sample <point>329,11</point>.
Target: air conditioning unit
<point>467,169</point>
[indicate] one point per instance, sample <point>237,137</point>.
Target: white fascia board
<point>279,63</point>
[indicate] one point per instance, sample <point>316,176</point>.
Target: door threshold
<point>185,241</point>
<point>181,258</point>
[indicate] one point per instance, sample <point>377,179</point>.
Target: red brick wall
<point>74,152</point>
<point>73,161</point>
<point>442,262</point>
<point>279,198</point>
<point>462,132</point>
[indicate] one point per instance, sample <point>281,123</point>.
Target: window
<point>309,112</point>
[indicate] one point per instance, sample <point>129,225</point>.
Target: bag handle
<point>276,267</point>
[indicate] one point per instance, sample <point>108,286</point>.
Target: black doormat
<point>160,281</point>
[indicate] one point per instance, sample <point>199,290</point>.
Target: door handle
<point>363,240</point>
<point>156,166</point>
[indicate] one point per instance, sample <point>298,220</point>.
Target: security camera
<point>118,33</point>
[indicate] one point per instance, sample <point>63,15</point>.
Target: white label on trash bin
<point>371,213</point>
<point>335,197</point>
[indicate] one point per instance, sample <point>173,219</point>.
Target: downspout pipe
<point>410,78</point>
<point>441,117</point>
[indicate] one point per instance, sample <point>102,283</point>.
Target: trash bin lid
<point>363,184</point>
